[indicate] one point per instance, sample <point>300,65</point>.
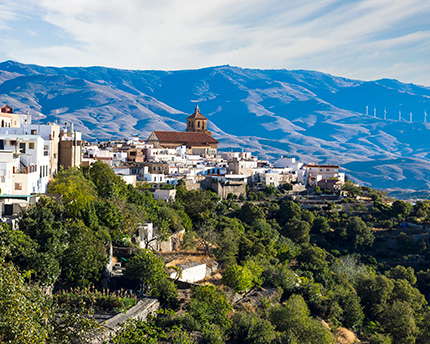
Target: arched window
<point>198,124</point>
<point>2,123</point>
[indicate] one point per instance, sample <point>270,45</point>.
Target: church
<point>196,138</point>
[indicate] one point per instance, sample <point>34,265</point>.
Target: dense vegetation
<point>326,265</point>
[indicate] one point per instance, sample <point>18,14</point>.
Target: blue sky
<point>362,39</point>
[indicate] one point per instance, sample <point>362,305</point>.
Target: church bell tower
<point>197,123</point>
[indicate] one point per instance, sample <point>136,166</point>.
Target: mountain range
<point>309,115</point>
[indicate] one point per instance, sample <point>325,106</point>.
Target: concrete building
<point>10,119</point>
<point>314,173</point>
<point>24,164</point>
<point>225,184</point>
<point>70,147</point>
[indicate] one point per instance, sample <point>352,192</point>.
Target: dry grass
<point>184,257</point>
<point>345,336</point>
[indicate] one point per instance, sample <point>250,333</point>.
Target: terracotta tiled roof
<point>6,109</point>
<point>197,114</point>
<point>329,181</point>
<point>187,138</point>
<point>322,166</point>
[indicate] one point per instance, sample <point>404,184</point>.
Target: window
<point>31,145</point>
<point>18,186</point>
<point>22,147</point>
<point>33,132</point>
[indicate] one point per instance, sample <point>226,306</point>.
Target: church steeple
<point>197,122</point>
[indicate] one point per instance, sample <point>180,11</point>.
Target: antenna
<point>410,117</point>
<point>374,112</point>
<point>385,113</point>
<point>367,110</point>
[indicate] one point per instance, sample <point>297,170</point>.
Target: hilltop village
<point>168,240</point>
<point>31,155</point>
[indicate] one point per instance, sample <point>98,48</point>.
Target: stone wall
<point>140,311</point>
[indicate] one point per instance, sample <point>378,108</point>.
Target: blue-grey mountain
<point>310,115</point>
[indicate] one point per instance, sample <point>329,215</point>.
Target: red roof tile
<point>187,138</point>
<point>197,114</point>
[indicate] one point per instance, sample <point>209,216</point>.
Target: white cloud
<point>328,35</point>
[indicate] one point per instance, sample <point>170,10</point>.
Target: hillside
<point>309,115</point>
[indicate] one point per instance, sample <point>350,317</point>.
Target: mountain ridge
<point>308,114</point>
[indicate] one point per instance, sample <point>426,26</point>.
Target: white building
<point>24,164</point>
<point>314,173</point>
<point>50,134</point>
<point>10,119</point>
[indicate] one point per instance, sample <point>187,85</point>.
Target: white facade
<point>50,134</point>
<point>25,159</point>
<point>314,173</point>
<point>285,162</point>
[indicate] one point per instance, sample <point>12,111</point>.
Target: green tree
<point>401,209</point>
<point>297,230</point>
<point>320,225</point>
<point>24,312</point>
<point>282,276</point>
<point>398,320</point>
<point>85,258</point>
<point>76,192</point>
<point>379,338</point>
<point>137,332</point>
<point>308,216</point>
<point>227,246</point>
<point>250,212</point>
<point>249,328</point>
<point>422,209</point>
<point>400,272</point>
<point>146,266</point>
<point>107,183</point>
<point>352,189</point>
<point>294,318</point>
<point>239,278</point>
<point>359,233</point>
<point>374,293</point>
<point>209,306</point>
<point>404,242</point>
<point>288,211</point>
<point>352,314</point>
<point>200,205</point>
